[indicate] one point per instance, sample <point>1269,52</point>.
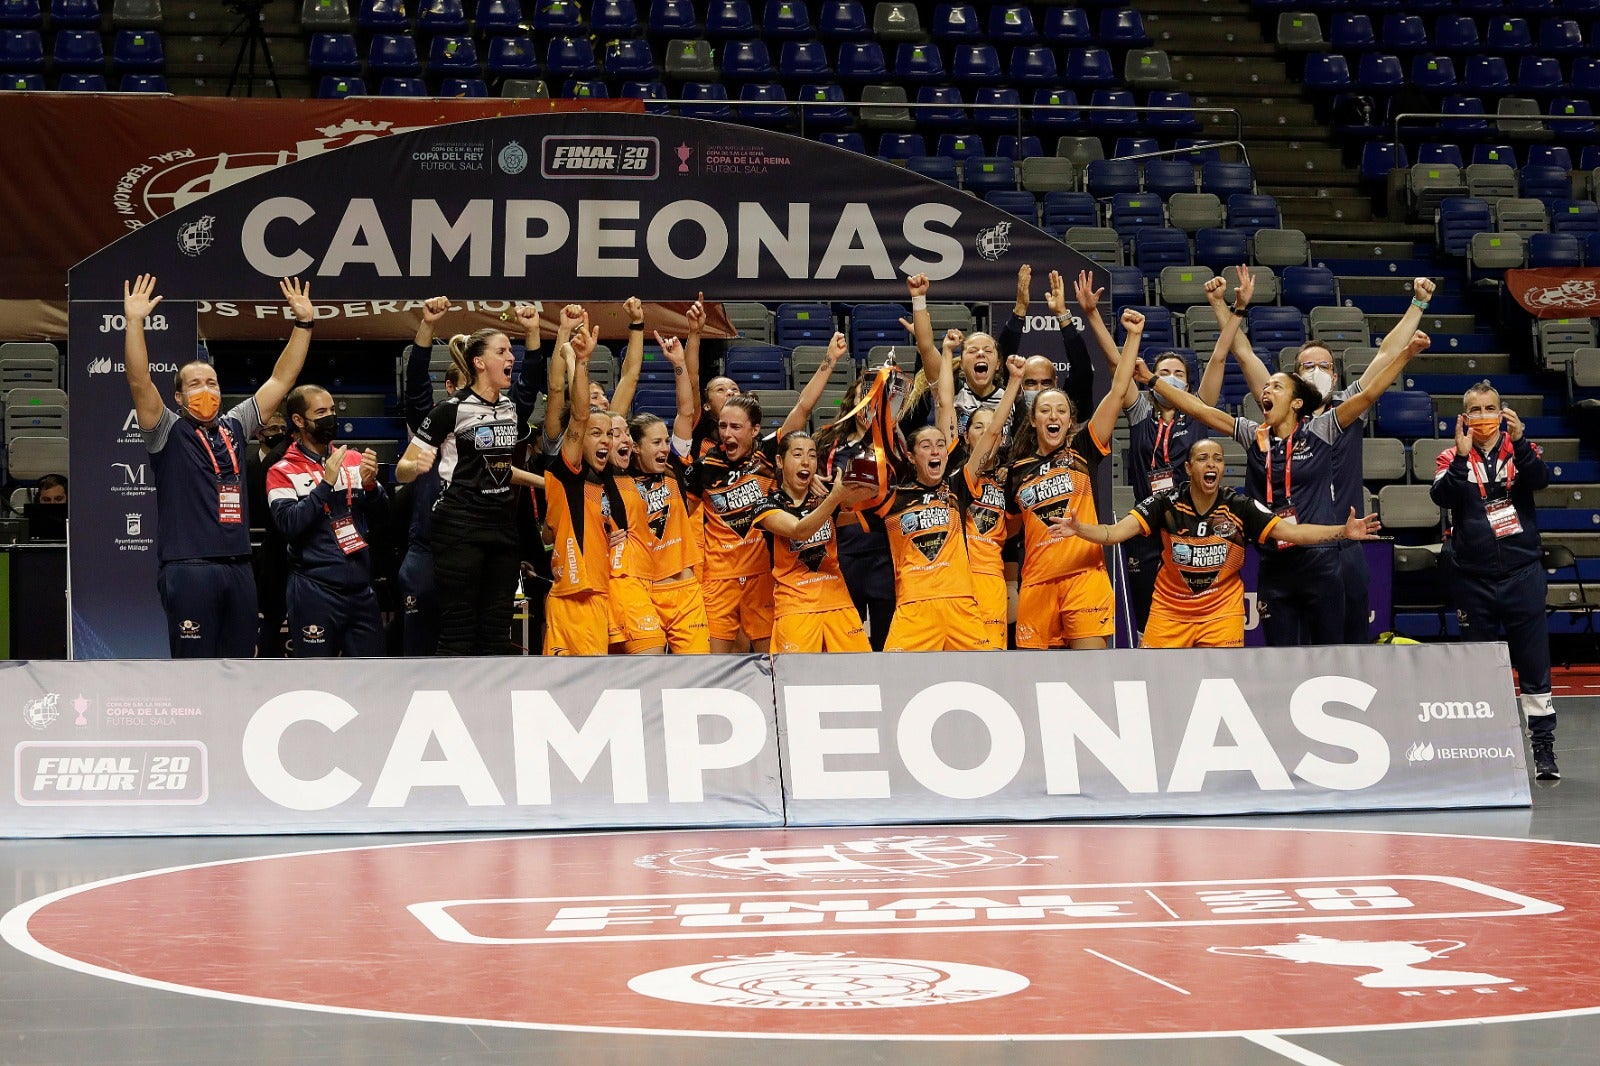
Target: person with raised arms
<point>207,586</point>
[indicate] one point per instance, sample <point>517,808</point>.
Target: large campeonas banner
<point>263,746</point>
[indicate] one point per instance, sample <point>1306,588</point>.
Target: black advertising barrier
<point>570,206</point>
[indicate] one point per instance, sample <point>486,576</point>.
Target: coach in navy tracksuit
<point>1494,556</point>
<point>326,500</point>
<point>198,454</point>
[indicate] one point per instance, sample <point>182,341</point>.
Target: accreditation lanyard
<point>1502,460</point>
<point>1502,513</point>
<point>1265,443</point>
<point>1161,478</point>
<point>230,502</point>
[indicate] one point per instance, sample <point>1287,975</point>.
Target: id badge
<point>1285,514</point>
<point>230,507</point>
<point>1161,480</point>
<point>1503,520</point>
<point>348,536</point>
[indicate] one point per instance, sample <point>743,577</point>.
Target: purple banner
<point>1380,592</point>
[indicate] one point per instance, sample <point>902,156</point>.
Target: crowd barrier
<point>141,747</point>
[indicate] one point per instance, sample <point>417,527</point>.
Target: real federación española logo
<point>513,159</point>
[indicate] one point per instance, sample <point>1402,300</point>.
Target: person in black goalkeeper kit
<point>1493,556</point>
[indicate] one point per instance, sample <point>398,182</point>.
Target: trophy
<point>877,411</point>
<point>1395,962</point>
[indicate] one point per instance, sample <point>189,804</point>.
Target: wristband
<point>919,303</point>
<point>1238,311</point>
<point>1421,305</point>
<point>637,327</point>
<point>305,325</point>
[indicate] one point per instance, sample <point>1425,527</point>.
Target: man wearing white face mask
<point>1493,552</point>
<point>207,588</point>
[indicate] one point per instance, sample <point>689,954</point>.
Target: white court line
<point>1141,973</point>
<point>1161,903</point>
<point>1292,1052</point>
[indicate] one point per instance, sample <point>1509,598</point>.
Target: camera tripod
<point>252,43</point>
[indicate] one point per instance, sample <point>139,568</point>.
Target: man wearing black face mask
<point>325,500</point>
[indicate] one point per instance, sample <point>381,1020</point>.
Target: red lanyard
<point>1288,462</point>
<point>1501,460</point>
<point>1163,441</point>
<point>227,441</point>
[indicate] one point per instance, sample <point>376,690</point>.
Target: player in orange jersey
<point>812,609</point>
<point>1204,527</point>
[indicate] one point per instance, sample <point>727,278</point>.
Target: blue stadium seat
<point>1250,212</point>
<point>1015,201</point>
<point>1380,157</point>
<point>1540,76</point>
<point>1090,68</point>
<point>802,61</point>
<point>463,88</point>
<point>1104,178</point>
<point>653,93</point>
<point>1272,328</point>
<point>618,18</point>
<point>918,63</point>
<point>1508,36</point>
<point>1127,285</point>
<point>78,50</point>
<point>1061,210</point>
<point>1305,287</point>
<point>81,83</point>
<point>22,83</point>
<point>1456,34</point>
<point>978,63</point>
<point>585,89</point>
<point>1170,122</point>
<point>843,20</point>
<point>1167,176</point>
<point>1066,26</point>
<point>1221,249</point>
<point>138,50</point>
<point>997,97</point>
<point>511,57</point>
<point>382,16</point>
<point>1018,148</point>
<point>1466,116</point>
<point>1545,183</point>
<point>84,14</point>
<point>1434,74</point>
<point>1351,32</point>
<point>862,61</point>
<point>1129,146</point>
<point>795,324</point>
<point>1486,76</point>
<point>1437,154</point>
<point>1405,414</point>
<point>1495,153</point>
<point>1055,111</point>
<point>947,110</point>
<point>1154,248</point>
<point>1122,28</point>
<point>826,107</point>
<point>1034,64</point>
<point>1575,108</point>
<point>440,16</point>
<point>960,146</point>
<point>551,17</point>
<point>896,145</point>
<point>333,87</point>
<point>938,167</point>
<point>1380,72</point>
<point>1326,72</point>
<point>21,14</point>
<point>764,104</point>
<point>628,58</point>
<point>491,17</point>
<point>1012,24</point>
<point>673,18</point>
<point>785,20</point>
<point>847,141</point>
<point>955,22</point>
<point>1561,37</point>
<point>730,19</point>
<point>453,57</point>
<point>333,53</point>
<point>705,99</point>
<point>142,83</point>
<point>1404,33</point>
<point>1113,122</point>
<point>1549,155</point>
<point>758,366</point>
<point>1554,250</point>
<point>1158,332</point>
<point>21,52</point>
<point>874,324</point>
<point>571,57</point>
<point>1577,217</point>
<point>1226,179</point>
<point>985,173</point>
<point>389,53</point>
<point>407,87</point>
<point>1459,218</point>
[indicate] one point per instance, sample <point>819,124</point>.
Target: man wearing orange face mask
<point>1487,482</point>
<point>198,454</point>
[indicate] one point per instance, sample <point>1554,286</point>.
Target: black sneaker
<point>1544,762</point>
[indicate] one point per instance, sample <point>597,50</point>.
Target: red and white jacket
<point>317,518</point>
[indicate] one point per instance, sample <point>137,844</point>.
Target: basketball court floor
<point>1467,937</point>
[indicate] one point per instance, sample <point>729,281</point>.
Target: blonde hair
<point>464,349</point>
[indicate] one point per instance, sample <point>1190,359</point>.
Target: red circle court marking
<point>980,931</point>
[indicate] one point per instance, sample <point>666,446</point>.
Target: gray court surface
<point>50,1015</point>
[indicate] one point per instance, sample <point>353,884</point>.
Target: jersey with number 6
<point>1201,553</point>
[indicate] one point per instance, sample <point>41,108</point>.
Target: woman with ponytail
<point>470,437</point>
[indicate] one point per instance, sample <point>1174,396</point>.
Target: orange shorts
<point>681,606</point>
<point>1051,613</point>
<point>578,624</point>
<point>836,630</point>
<point>949,623</point>
<point>735,603</point>
<point>1168,630</point>
<point>634,622</point>
<point>992,603</point>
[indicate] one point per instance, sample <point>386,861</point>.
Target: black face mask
<point>322,429</point>
<point>272,438</point>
